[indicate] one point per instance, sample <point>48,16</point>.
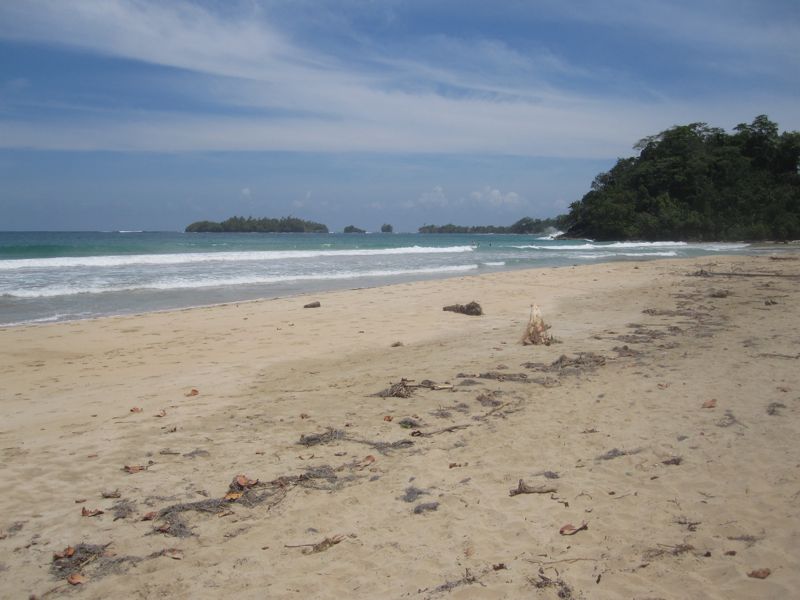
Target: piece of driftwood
<point>315,304</point>
<point>473,309</point>
<point>524,488</point>
<point>536,331</point>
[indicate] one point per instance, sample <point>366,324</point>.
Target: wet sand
<point>665,418</point>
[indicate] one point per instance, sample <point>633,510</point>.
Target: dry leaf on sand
<point>85,512</point>
<point>759,573</point>
<point>76,579</point>
<point>570,529</point>
<point>710,403</point>
<point>192,392</point>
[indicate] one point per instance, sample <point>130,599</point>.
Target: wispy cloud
<point>448,94</point>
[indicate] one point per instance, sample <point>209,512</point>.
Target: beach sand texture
<point>670,430</point>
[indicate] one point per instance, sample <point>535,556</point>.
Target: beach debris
<point>616,453</point>
<point>328,542</point>
<point>408,423</point>
<point>402,389</point>
<point>720,294</point>
<point>536,331</point>
<point>473,309</point>
<point>450,429</point>
<point>728,419</point>
<point>192,392</point>
<point>315,304</point>
<point>242,482</point>
<point>674,460</point>
<point>759,573</point>
<point>325,437</point>
<point>137,409</point>
<point>425,507</point>
<point>74,558</point>
<point>76,579</point>
<point>690,525</point>
<point>564,591</point>
<point>161,413</point>
<point>173,553</point>
<point>364,462</point>
<point>93,512</point>
<point>65,553</point>
<point>524,488</point>
<point>110,494</point>
<point>489,399</point>
<point>770,302</point>
<point>712,403</point>
<point>197,452</point>
<point>388,418</point>
<point>774,408</point>
<point>412,493</point>
<point>397,344</point>
<point>123,509</point>
<point>665,549</point>
<point>564,365</point>
<point>150,516</point>
<point>131,469</point>
<point>570,529</point>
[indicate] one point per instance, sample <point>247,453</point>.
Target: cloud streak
<point>483,96</point>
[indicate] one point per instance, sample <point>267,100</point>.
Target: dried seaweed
<point>402,389</point>
<point>123,509</point>
<point>616,453</point>
<point>774,408</point>
<point>524,488</point>
<point>327,436</point>
<point>473,309</point>
<point>425,507</point>
<point>82,555</point>
<point>412,493</point>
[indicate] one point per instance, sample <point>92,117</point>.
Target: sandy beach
<point>244,451</point>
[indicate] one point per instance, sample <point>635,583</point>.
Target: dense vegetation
<point>353,229</point>
<point>695,182</point>
<point>387,228</point>
<point>251,225</point>
<point>524,225</point>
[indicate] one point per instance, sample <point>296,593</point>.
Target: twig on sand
<point>418,433</point>
<point>524,488</point>
<point>328,542</point>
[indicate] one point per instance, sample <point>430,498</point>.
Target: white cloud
<point>496,198</point>
<point>432,198</point>
<point>310,101</point>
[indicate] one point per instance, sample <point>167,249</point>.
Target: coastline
<point>270,371</point>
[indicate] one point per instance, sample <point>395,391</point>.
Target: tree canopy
<point>251,225</point>
<point>695,182</point>
<point>523,226</point>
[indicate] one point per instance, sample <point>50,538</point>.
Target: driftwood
<point>473,309</point>
<point>536,330</point>
<point>524,488</point>
<point>314,304</point>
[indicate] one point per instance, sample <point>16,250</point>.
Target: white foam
<point>202,257</point>
<point>182,284</point>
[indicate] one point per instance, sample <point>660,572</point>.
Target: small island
<point>353,229</point>
<point>263,225</point>
<point>387,228</point>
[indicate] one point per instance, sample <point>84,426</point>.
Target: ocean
<point>61,276</point>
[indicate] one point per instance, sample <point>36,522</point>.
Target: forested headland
<point>264,225</point>
<point>523,226</point>
<point>695,182</point>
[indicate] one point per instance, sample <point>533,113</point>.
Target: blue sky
<point>140,114</point>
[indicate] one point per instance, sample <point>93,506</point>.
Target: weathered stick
<point>524,488</point>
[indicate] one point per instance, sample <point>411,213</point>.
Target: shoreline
<point>646,345</point>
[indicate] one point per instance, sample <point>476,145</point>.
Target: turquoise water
<point>52,276</point>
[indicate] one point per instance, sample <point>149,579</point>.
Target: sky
<point>144,114</point>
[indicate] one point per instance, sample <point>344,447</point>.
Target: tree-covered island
<point>251,225</point>
<point>695,182</point>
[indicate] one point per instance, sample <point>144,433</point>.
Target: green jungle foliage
<point>695,182</point>
<point>353,229</point>
<point>524,225</point>
<point>251,225</point>
<point>387,228</point>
